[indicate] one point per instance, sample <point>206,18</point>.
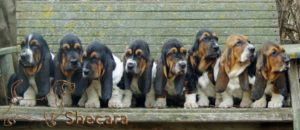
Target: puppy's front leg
<point>161,102</point>
<point>150,98</point>
<point>127,98</point>
<point>92,98</point>
<point>246,99</point>
<point>29,99</point>
<point>260,103</point>
<point>203,99</point>
<point>82,100</point>
<point>276,101</point>
<point>190,101</point>
<point>116,98</point>
<point>227,100</point>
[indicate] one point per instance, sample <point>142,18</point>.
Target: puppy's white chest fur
<point>269,88</point>
<point>96,86</point>
<point>134,87</point>
<point>234,83</point>
<point>204,80</point>
<point>32,84</point>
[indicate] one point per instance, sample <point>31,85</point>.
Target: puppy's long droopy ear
<point>281,84</point>
<point>179,82</point>
<point>222,80</point>
<point>106,79</point>
<point>160,80</point>
<point>80,83</point>
<point>222,77</point>
<point>145,79</point>
<point>244,80</point>
<point>260,82</point>
<point>259,86</point>
<point>42,78</point>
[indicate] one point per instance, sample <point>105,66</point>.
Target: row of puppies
<point>96,72</point>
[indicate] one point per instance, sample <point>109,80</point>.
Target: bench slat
<point>140,7</point>
<point>153,40</point>
<point>162,115</point>
<point>147,15</point>
<point>148,23</point>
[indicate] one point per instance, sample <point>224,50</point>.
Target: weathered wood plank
<point>293,50</point>
<point>269,23</point>
<point>152,40</point>
<point>7,69</point>
<point>163,1</point>
<point>160,7</point>
<point>295,90</point>
<point>147,31</point>
<point>148,15</point>
<point>162,115</point>
<point>8,50</point>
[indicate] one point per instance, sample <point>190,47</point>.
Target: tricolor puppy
<point>101,72</point>
<point>171,71</point>
<point>272,63</point>
<point>202,69</point>
<point>233,77</point>
<point>138,66</point>
<point>67,67</point>
<point>34,69</point>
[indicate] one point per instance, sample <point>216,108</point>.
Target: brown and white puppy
<point>202,69</point>
<point>171,70</point>
<point>233,78</point>
<point>271,67</point>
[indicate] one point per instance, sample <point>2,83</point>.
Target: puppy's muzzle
<point>182,65</point>
<point>85,72</point>
<point>130,66</point>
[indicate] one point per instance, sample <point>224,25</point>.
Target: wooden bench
<point>117,23</point>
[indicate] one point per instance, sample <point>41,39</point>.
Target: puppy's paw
<point>246,103</point>
<point>92,104</point>
<point>126,103</point>
<point>226,104</point>
<point>203,102</point>
<point>149,103</point>
<point>259,104</point>
<point>161,103</point>
<point>274,104</point>
<point>81,103</point>
<point>27,102</point>
<point>115,104</point>
<point>188,105</point>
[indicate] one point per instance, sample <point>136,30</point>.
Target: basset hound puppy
<point>137,76</point>
<point>271,76</point>
<point>67,67</point>
<point>34,70</point>
<point>101,72</point>
<point>235,72</point>
<point>203,66</point>
<point>171,71</point>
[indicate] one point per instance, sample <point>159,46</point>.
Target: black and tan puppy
<point>101,72</point>
<point>34,69</point>
<point>202,69</point>
<point>67,67</point>
<point>137,76</point>
<point>234,77</point>
<point>272,63</point>
<point>171,71</point>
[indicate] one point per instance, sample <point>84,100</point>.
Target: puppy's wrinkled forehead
<point>203,34</point>
<point>233,39</point>
<point>272,47</point>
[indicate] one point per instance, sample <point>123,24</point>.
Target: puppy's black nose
<point>286,60</point>
<point>216,48</point>
<point>23,56</point>
<point>86,71</point>
<point>130,66</point>
<point>74,61</point>
<point>182,65</point>
<point>251,49</point>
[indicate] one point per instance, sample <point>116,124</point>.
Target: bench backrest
<point>117,23</point>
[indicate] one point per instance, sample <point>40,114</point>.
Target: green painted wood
<point>295,90</point>
<point>293,50</point>
<point>162,115</point>
<point>152,40</point>
<point>8,50</point>
<point>147,31</point>
<point>143,7</point>
<point>164,1</point>
<point>148,15</point>
<point>264,23</point>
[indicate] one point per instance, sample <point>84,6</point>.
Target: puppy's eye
<point>274,53</point>
<point>22,44</point>
<point>238,44</point>
<point>206,38</point>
